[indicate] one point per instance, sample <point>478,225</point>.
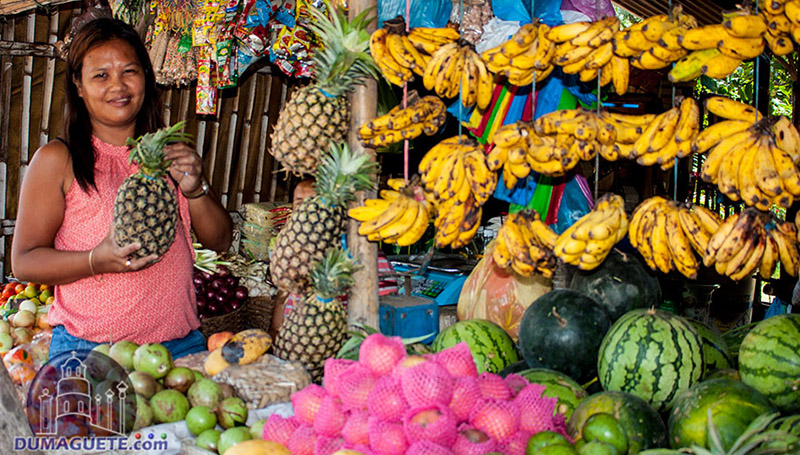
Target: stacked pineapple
<point>145,208</point>
<point>316,330</point>
<point>319,114</point>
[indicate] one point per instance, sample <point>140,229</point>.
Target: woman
<point>63,233</point>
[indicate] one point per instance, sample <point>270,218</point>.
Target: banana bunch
<point>396,56</point>
<point>780,29</point>
<point>525,245</point>
<point>423,115</point>
<point>654,43</point>
<point>528,55</point>
<point>750,239</point>
<point>587,49</point>
<point>587,242</point>
<point>750,161</point>
<point>667,136</point>
<point>398,216</point>
<point>456,67</point>
<point>718,49</point>
<point>456,174</point>
<point>666,235</point>
<point>428,40</point>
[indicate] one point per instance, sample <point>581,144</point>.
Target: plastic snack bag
<point>496,295</point>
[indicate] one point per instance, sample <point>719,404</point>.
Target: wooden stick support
<point>363,303</point>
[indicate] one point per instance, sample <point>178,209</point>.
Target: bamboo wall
<point>233,144</point>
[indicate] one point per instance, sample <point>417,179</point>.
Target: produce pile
<point>24,329</point>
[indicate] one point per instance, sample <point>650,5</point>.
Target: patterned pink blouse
<point>154,304</point>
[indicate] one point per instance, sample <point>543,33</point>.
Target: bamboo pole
<point>226,175</point>
<point>363,300</point>
<point>19,49</point>
<point>167,117</point>
<point>245,145</point>
<point>49,81</point>
<point>201,137</point>
<point>27,82</point>
<point>5,94</point>
<point>262,140</point>
<point>273,188</point>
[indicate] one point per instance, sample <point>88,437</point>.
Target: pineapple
<point>316,330</point>
<point>319,113</point>
<point>145,208</point>
<point>319,221</point>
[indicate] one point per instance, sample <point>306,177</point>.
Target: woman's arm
<point>39,217</point>
<point>211,222</point>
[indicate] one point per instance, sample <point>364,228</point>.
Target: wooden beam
<point>49,81</point>
<point>21,49</point>
<point>17,6</point>
<point>363,300</point>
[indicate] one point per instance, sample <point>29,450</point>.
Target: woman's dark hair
<point>77,126</point>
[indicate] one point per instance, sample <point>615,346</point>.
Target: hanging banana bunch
<point>668,136</point>
<point>750,159</point>
<point>668,235</point>
<point>586,48</point>
<point>525,245</point>
<point>587,242</point>
<point>749,240</point>
<point>423,115</point>
<point>456,68</point>
<point>456,174</point>
<point>780,28</point>
<point>718,49</point>
<point>528,55</point>
<point>400,56</point>
<point>400,216</point>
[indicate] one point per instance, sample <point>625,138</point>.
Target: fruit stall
<point>535,228</point>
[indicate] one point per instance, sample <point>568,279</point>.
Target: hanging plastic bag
<point>424,13</point>
<point>594,9</point>
<point>496,295</point>
<point>549,11</point>
<point>476,14</point>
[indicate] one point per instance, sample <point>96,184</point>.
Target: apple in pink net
<point>474,436</point>
<point>426,417</point>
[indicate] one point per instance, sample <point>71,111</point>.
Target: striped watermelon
<point>734,406</point>
<point>492,348</point>
<point>557,385</point>
<point>716,355</point>
<point>769,360</point>
<point>652,354</point>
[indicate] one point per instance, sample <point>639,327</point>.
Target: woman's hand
<point>186,167</point>
<point>108,257</point>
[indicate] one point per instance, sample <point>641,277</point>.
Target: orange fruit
<point>22,374</point>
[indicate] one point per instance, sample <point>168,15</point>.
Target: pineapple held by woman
<point>316,330</point>
<point>319,113</point>
<point>318,222</point>
<point>145,209</point>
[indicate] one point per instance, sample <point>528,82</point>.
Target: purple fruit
<point>235,305</point>
<point>207,276</point>
<point>241,292</point>
<point>198,280</point>
<point>201,302</point>
<point>217,283</point>
<point>212,308</point>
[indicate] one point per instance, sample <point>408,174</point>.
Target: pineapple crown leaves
<point>344,59</point>
<point>332,276</point>
<point>341,172</point>
<point>148,149</point>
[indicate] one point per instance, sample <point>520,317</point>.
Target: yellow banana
<point>393,213</point>
<point>765,173</point>
<point>500,253</point>
<point>787,138</point>
<point>769,258</point>
<point>790,178</point>
<point>720,67</point>
<point>787,251</point>
<point>695,234</point>
<point>779,45</point>
<point>566,32</point>
<point>714,134</point>
<point>747,184</point>
<point>731,109</point>
<point>392,231</point>
<point>679,246</point>
<point>394,43</point>
<point>417,229</point>
<point>689,122</point>
<point>742,48</point>
<point>708,219</point>
<point>706,37</point>
<point>434,67</point>
<point>368,212</point>
<point>745,26</point>
<point>691,66</point>
<point>746,261</point>
<point>717,239</point>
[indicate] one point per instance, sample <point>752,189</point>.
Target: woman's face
<point>112,84</point>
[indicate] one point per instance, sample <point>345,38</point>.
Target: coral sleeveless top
<point>155,304</point>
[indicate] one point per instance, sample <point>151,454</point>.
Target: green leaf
<point>714,440</point>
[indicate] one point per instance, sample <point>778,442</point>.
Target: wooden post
<point>363,300</point>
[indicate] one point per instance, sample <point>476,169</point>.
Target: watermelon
<point>562,330</point>
<point>642,424</point>
<point>729,373</point>
<point>491,347</point>
<point>734,337</point>
<point>716,355</point>
<point>620,284</point>
<point>652,354</point>
<point>769,360</point>
<point>557,385</point>
<point>734,406</point>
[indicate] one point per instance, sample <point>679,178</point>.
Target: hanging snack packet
<point>206,92</point>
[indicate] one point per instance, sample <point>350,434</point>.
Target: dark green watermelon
<point>769,360</point>
<point>728,373</point>
<point>491,347</point>
<point>562,330</point>
<point>642,424</point>
<point>557,385</point>
<point>716,355</point>
<point>620,284</point>
<point>652,354</point>
<point>733,405</point>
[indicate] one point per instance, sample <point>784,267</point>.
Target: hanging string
<point>460,79</point>
<point>675,166</point>
<point>599,109</point>
<point>756,77</point>
<point>533,83</point>
<point>405,100</point>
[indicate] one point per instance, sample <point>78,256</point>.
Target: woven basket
<point>231,322</point>
<point>258,313</point>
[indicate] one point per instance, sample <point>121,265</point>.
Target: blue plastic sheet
<point>549,11</point>
<point>424,13</point>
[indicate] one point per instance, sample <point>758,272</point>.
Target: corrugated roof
<point>706,11</point>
